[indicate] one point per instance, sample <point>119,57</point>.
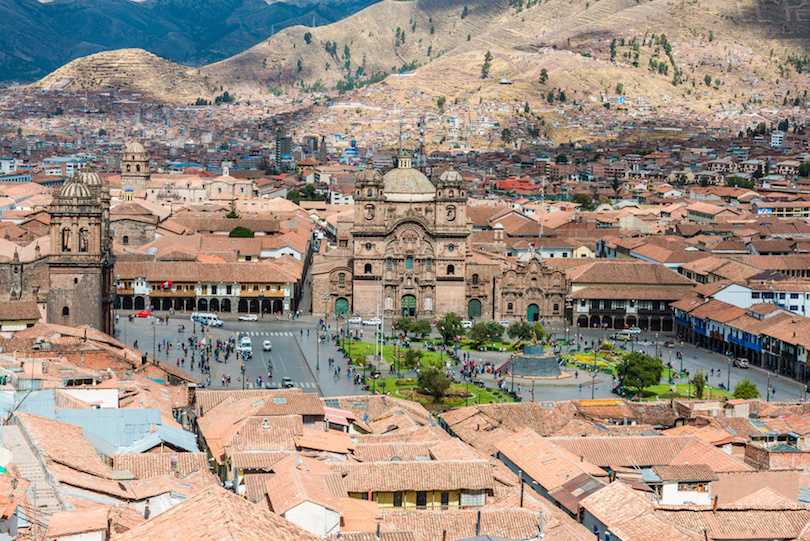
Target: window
<point>693,487</point>
<point>767,295</point>
<point>368,246</point>
<point>421,499</point>
<point>445,500</point>
<point>475,279</point>
<point>214,290</point>
<point>342,243</point>
<point>228,290</point>
<point>451,247</point>
<point>451,213</point>
<point>794,295</point>
<point>248,258</point>
<point>65,311</point>
<point>83,240</point>
<point>582,303</point>
<point>367,268</point>
<point>397,499</point>
<point>244,287</point>
<point>794,308</point>
<point>556,308</point>
<point>451,270</point>
<point>75,280</point>
<point>389,262</point>
<point>138,168</point>
<point>510,306</point>
<point>129,168</point>
<point>429,263</point>
<point>408,263</point>
<point>341,279</point>
<point>781,296</point>
<point>125,240</point>
<point>755,294</point>
<point>66,238</point>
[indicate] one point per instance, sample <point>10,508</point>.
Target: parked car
<point>287,382</point>
<point>503,323</point>
<point>633,330</point>
<point>740,363</point>
<point>356,320</point>
<point>373,321</point>
<point>466,323</point>
<point>249,317</point>
<point>624,336</point>
<point>267,345</point>
<point>670,343</point>
<point>144,313</point>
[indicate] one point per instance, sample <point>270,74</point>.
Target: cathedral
<point>409,255</point>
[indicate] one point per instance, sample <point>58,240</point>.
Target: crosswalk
<point>267,333</point>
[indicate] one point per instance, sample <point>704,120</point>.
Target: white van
<point>245,347</point>
<point>206,318</point>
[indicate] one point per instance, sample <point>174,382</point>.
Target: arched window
<point>510,306</point>
<point>389,262</point>
<point>75,280</point>
<point>451,270</point>
<point>66,239</point>
<point>341,279</point>
<point>138,168</point>
<point>409,263</point>
<point>65,311</point>
<point>219,190</point>
<point>129,168</point>
<point>369,192</point>
<point>125,240</point>
<point>84,240</point>
<point>367,269</point>
<point>475,279</point>
<point>556,308</point>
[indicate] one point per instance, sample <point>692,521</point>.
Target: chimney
<point>146,512</point>
<point>444,535</point>
<point>82,359</point>
<point>378,530</point>
<point>522,486</point>
<point>542,525</point>
<point>478,525</point>
<point>714,505</point>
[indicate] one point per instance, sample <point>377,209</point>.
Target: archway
<point>179,303</point>
<point>642,322</point>
<point>167,304</point>
<point>190,303</point>
<point>474,309</point>
<point>618,322</point>
<point>213,306</point>
<point>254,306</point>
<point>126,302</point>
<point>203,305</point>
<point>532,313</point>
<point>666,325</point>
<point>655,324</point>
<point>341,306</point>
<point>278,306</point>
<point>607,321</point>
<point>408,305</point>
<point>594,321</point>
<point>631,321</point>
<point>242,306</point>
<point>225,305</point>
<point>139,303</point>
<point>582,321</point>
<point>266,306</point>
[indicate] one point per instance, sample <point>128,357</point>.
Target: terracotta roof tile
<point>419,475</point>
<point>146,465</point>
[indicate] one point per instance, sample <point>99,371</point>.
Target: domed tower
<point>368,198</point>
<point>135,167</point>
<point>81,261</point>
<point>451,201</point>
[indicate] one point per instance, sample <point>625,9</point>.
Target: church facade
<point>409,255</point>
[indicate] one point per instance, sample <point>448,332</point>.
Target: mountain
<point>133,69</point>
<point>36,37</point>
<point>664,49</point>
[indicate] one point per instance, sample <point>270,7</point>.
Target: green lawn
<point>662,391</point>
<point>407,388</point>
<point>430,358</point>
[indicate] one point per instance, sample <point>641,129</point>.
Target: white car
<point>466,323</point>
<point>356,320</point>
<point>249,317</point>
<point>267,345</point>
<point>503,323</point>
<point>633,330</point>
<point>373,321</point>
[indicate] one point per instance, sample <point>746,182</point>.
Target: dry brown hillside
<point>134,70</point>
<point>734,42</point>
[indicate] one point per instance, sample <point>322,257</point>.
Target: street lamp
<point>593,383</point>
<point>728,383</point>
<point>154,356</point>
<point>768,390</point>
<point>681,372</point>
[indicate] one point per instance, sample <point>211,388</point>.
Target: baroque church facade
<point>409,255</point>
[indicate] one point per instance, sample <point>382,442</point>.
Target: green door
<point>474,309</point>
<point>341,306</point>
<point>408,305</point>
<point>533,313</point>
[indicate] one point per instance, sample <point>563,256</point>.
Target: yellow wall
<point>434,499</point>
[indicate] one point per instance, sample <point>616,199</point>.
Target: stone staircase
<point>41,494</point>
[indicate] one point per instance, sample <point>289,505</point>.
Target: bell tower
<point>135,168</point>
<point>80,265</point>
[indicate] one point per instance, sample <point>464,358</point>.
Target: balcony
<point>261,293</point>
<point>156,293</point>
<point>122,291</point>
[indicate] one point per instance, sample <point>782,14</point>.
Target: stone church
<point>409,256</point>
<point>75,279</point>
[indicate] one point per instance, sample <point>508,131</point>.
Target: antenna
<point>400,135</point>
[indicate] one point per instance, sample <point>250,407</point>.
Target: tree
<point>450,327</point>
<point>543,75</point>
<point>232,213</point>
<point>583,199</point>
<point>520,332</point>
<point>738,182</point>
<point>403,324</point>
<point>699,383</point>
<point>804,169</point>
<point>241,232</point>
<point>485,332</point>
<point>707,79</point>
<point>464,12</point>
<point>560,158</point>
<point>102,132</point>
<point>440,103</point>
<point>412,357</point>
<point>506,135</point>
<point>486,65</point>
<point>421,326</point>
<point>539,330</point>
<point>639,371</point>
<point>619,88</point>
<point>308,38</point>
<point>746,389</point>
<point>433,382</point>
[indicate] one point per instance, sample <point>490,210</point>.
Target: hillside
<point>135,70</point>
<point>36,38</point>
<point>732,42</point>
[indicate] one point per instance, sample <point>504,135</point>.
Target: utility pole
<point>593,384</point>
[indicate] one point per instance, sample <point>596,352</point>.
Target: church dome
<point>369,175</point>
<point>75,189</point>
<point>530,254</point>
<point>90,178</point>
<point>134,148</point>
<point>451,175</point>
<point>407,184</point>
